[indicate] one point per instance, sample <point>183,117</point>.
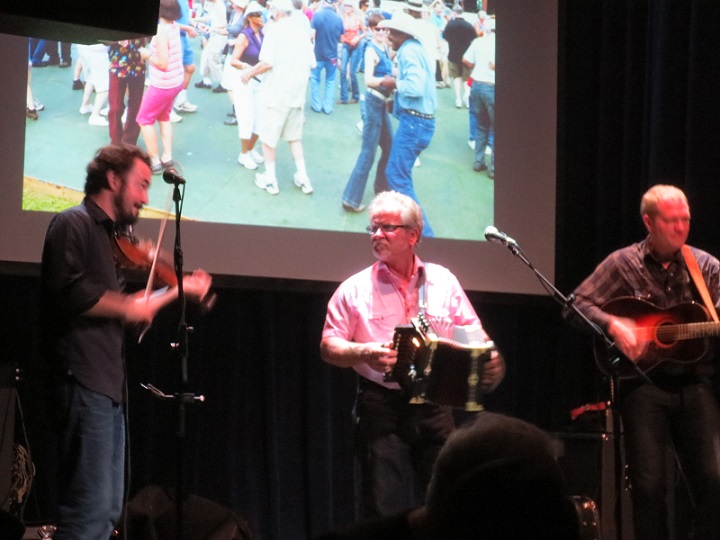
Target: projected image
<point>68,120</point>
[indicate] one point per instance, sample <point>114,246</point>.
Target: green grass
<point>40,201</point>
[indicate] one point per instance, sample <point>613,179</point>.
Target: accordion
<point>439,370</point>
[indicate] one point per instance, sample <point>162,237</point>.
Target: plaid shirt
<point>634,271</point>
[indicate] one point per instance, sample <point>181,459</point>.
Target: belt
<point>379,94</point>
<point>424,116</point>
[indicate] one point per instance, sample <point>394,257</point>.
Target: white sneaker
<point>99,121</point>
<point>175,117</point>
<point>417,162</point>
<point>257,157</point>
<point>360,125</point>
<point>268,184</point>
<point>471,144</point>
<point>458,103</point>
<point>303,182</point>
<point>185,106</point>
<point>104,112</point>
<point>86,109</point>
<point>247,161</point>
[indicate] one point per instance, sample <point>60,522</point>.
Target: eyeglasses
<point>384,227</point>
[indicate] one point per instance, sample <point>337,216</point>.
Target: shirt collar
<point>98,214</point>
<point>648,255</point>
<point>418,269</point>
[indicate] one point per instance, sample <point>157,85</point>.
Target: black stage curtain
<point>638,105</point>
<point>637,100</point>
<point>273,439</point>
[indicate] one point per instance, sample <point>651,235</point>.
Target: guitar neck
<point>676,332</point>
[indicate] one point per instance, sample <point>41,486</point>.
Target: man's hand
<point>140,309</point>
<point>380,357</point>
<point>626,338</point>
<point>342,353</point>
<point>197,285</point>
<point>493,371</point>
<point>388,82</point>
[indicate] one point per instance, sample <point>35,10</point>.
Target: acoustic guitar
<point>677,334</point>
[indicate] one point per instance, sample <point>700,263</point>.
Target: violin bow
<point>151,277</point>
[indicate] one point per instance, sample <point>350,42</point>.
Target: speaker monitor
<point>7,444</point>
<point>588,464</point>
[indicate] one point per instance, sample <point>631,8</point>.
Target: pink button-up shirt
<point>369,305</point>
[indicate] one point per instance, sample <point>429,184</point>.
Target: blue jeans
<point>362,46</point>
<point>350,62</point>
<point>413,135</point>
<point>91,463</point>
<point>38,49</point>
<point>398,444</point>
<point>327,104</point>
<point>482,107</point>
<point>376,131</point>
<point>474,130</point>
<point>688,414</point>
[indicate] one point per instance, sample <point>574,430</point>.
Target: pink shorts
<point>156,105</point>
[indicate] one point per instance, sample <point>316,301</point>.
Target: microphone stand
<point>184,397</point>
<point>617,362</point>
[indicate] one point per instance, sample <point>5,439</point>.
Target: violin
<point>134,255</point>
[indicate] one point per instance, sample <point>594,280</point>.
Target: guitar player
<point>677,404</point>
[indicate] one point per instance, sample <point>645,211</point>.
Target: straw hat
<point>253,7</point>
<point>401,22</point>
<point>417,5</point>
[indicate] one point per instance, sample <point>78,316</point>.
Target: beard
<point>124,211</point>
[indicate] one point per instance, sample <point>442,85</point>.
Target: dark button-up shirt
<point>633,271</point>
<point>78,267</point>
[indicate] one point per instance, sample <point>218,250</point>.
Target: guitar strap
<point>694,270</point>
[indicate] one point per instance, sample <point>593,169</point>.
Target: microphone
<point>493,235</point>
<point>172,177</point>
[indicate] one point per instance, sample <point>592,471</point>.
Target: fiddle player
<point>398,442</point>
<point>677,404</point>
<point>83,312</point>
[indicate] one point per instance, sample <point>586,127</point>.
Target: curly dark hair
<point>118,158</point>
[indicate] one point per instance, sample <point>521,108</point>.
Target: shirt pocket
<point>382,323</point>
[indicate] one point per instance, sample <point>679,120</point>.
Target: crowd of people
<point>130,86</point>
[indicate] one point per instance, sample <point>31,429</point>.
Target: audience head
<point>498,479</point>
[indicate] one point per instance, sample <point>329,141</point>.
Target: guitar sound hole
<point>664,339</point>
